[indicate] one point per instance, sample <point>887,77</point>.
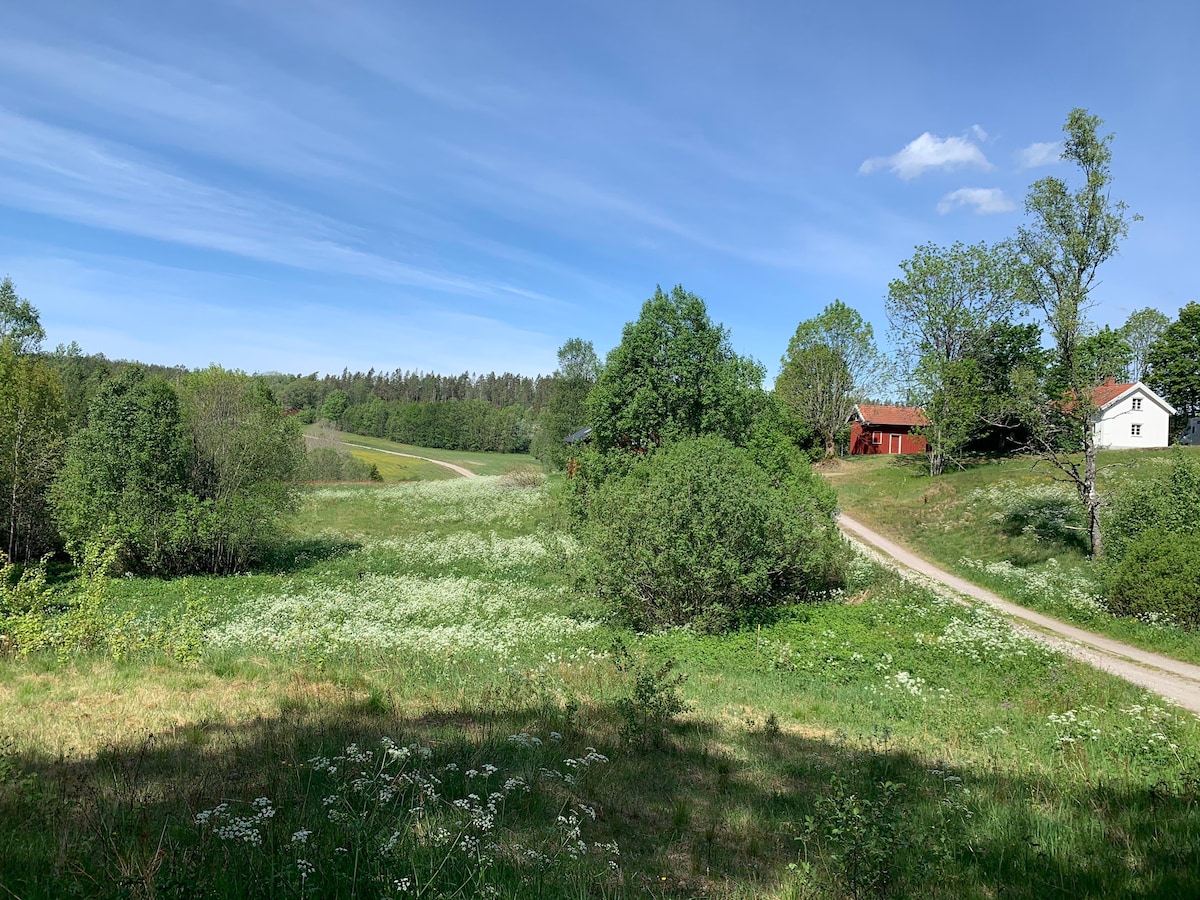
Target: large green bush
<point>697,532</point>
<point>1168,502</point>
<point>1158,578</point>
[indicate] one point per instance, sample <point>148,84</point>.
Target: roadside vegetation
<point>1010,526</point>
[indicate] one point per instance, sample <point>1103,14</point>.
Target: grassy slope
<point>394,469</point>
<point>952,518</point>
<point>480,463</point>
<point>436,613</point>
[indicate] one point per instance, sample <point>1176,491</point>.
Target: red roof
<point>1108,392</point>
<point>891,415</point>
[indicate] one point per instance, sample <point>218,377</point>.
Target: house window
<point>876,437</point>
<point>1135,430</point>
<point>1137,404</point>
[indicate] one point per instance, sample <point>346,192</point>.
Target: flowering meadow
<point>416,700</point>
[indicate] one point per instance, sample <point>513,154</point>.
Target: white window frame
<point>877,438</point>
<point>1135,429</point>
<point>1137,404</point>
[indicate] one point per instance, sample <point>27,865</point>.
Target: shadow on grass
<point>302,553</point>
<point>702,812</point>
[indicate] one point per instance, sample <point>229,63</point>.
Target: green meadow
<point>413,699</point>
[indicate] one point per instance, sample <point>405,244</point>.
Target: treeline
<point>449,425</point>
<point>308,393</point>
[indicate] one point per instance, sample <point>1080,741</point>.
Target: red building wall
<point>884,439</point>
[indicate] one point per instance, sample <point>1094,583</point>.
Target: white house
<point>1130,416</point>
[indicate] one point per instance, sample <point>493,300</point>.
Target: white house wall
<point>1114,429</point>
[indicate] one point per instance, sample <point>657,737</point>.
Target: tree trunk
<point>1091,498</point>
<point>830,447</point>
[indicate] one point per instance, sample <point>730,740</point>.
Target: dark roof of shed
<point>581,435</point>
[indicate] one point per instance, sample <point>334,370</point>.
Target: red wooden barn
<point>886,429</point>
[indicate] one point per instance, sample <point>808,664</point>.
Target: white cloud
<point>930,152</point>
<point>979,133</point>
<point>986,201</point>
<point>1045,153</point>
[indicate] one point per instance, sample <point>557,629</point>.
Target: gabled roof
<point>870,414</point>
<point>1107,394</point>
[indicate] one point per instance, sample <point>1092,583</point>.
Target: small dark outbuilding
<point>582,436</point>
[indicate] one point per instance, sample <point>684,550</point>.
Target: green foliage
<point>566,410</point>
<point>33,428</point>
<point>1103,355</point>
<point>472,425</point>
<point>334,406</point>
<point>1141,330</point>
<point>329,464</point>
<point>1158,578</point>
<point>1168,502</point>
<point>1174,362</point>
<point>862,834</point>
<point>654,699</point>
<point>1071,234</point>
<point>178,489</point>
<point>19,322</point>
<point>125,472</point>
<point>942,312</point>
<point>698,533</point>
<point>673,375</point>
<point>831,364</point>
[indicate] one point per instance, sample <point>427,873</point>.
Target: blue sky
<point>302,186</point>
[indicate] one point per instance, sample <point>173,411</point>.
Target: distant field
<point>999,523</point>
<point>395,469</point>
<point>480,463</point>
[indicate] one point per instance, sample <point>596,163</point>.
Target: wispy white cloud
<point>930,152</point>
<point>1045,153</point>
<point>980,134</point>
<point>62,173</point>
<point>985,201</point>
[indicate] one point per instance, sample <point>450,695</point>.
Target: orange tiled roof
<point>891,415</point>
<point>1108,392</point>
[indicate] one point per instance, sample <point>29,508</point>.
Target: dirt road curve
<point>1175,680</point>
<point>465,473</point>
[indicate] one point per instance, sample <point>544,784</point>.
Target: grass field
<point>480,463</point>
<point>413,701</point>
<point>1007,525</point>
<point>394,469</point>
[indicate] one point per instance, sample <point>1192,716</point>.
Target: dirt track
<point>1170,678</point>
<point>465,473</point>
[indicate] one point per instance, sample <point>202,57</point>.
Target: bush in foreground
<point>698,533</point>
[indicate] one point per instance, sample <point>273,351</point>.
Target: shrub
<point>1158,577</point>
<point>1168,502</point>
<point>697,533</point>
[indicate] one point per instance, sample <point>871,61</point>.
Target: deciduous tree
<point>19,321</point>
<point>1141,330</point>
<point>1174,362</point>
<point>942,311</point>
<point>674,374</point>
<point>831,364</point>
<point>1070,235</point>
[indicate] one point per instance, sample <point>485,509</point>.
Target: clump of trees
<point>695,505</point>
<point>116,462</point>
<point>179,481</point>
